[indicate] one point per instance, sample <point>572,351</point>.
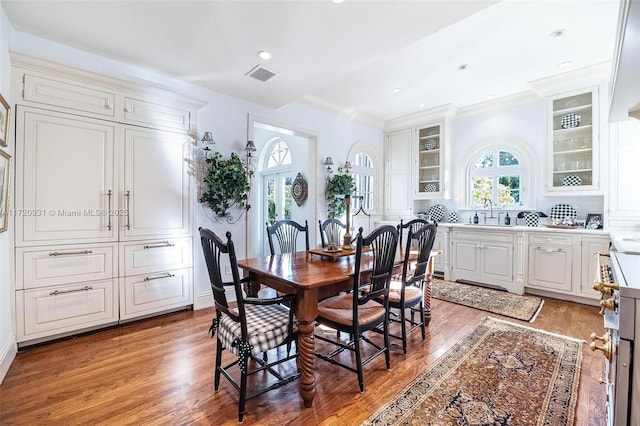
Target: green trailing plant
<point>227,184</point>
<point>338,185</point>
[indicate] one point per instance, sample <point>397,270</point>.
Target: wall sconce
<point>347,166</point>
<point>250,148</point>
<point>328,162</point>
<point>207,139</point>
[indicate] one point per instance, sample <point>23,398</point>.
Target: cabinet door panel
<point>589,247</point>
<point>155,193</point>
<point>64,179</point>
<point>550,267</point>
<point>398,173</point>
<point>156,114</point>
<point>498,262</point>
<point>61,309</point>
<point>148,294</point>
<point>465,257</point>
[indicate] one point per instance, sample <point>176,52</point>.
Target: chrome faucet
<point>488,201</point>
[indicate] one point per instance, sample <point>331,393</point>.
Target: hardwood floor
<point>160,371</point>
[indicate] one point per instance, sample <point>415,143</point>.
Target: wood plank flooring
<point>160,372</point>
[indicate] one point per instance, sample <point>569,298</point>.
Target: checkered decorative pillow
<point>267,327</point>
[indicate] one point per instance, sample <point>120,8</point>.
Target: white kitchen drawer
<point>484,235</point>
<point>155,256</point>
<point>69,94</point>
<point>55,310</point>
<point>38,267</point>
<point>550,239</point>
<point>146,294</point>
<point>550,267</point>
<point>155,114</point>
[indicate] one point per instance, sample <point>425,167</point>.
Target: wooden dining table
<point>311,278</point>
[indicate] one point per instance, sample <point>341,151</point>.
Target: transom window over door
<point>496,176</point>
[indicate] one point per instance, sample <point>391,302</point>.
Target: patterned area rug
<point>500,374</point>
<point>524,308</point>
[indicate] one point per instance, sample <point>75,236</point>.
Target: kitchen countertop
<point>520,228</point>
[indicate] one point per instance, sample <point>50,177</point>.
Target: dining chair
<point>408,291</point>
<point>413,224</point>
<point>252,327</point>
<point>286,233</point>
<point>331,231</point>
<point>357,311</point>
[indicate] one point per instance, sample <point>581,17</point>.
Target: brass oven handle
<point>607,349</point>
<point>609,304</point>
<point>604,338</point>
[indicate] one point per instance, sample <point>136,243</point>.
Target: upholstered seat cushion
<point>411,293</point>
<point>267,326</point>
<point>339,309</point>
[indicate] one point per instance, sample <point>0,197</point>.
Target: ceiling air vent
<point>260,73</point>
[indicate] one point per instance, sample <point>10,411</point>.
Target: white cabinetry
<point>564,263</point>
<point>155,189</point>
<point>440,244</point>
<point>624,204</point>
<point>98,161</point>
<point>485,257</point>
<point>550,262</point>
<point>66,178</point>
<point>429,164</point>
<point>573,142</point>
<point>398,173</point>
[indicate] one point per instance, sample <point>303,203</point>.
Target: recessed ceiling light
<point>463,67</point>
<point>557,33</point>
<point>337,1</point>
<point>421,106</point>
<point>489,97</point>
<point>564,64</point>
<point>263,54</point>
<point>395,89</point>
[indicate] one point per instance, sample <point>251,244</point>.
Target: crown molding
<point>442,112</point>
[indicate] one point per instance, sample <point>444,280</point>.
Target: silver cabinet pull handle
<point>167,275</point>
<point>106,105</point>
<point>164,244</point>
<point>128,195</point>
<point>69,253</point>
<point>109,209</point>
<point>57,292</point>
<point>549,251</point>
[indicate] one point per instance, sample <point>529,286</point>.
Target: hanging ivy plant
<point>227,184</point>
<point>338,186</point>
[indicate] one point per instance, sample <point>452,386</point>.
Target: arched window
<point>364,174</point>
<point>496,175</point>
<point>277,181</point>
<point>365,170</point>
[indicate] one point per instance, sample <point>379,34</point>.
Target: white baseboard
<point>203,300</point>
<point>7,355</point>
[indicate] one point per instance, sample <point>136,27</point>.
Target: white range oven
<point>619,283</point>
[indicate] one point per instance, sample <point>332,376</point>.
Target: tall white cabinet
<point>103,223</point>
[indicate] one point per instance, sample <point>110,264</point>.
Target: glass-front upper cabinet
<point>429,162</point>
<point>573,142</point>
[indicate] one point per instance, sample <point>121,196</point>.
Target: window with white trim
<point>497,176</point>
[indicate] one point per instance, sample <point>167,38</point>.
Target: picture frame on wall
<point>594,221</point>
<point>5,165</point>
<point>5,114</point>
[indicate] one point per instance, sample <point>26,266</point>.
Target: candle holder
<point>346,243</point>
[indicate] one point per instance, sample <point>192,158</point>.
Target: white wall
<point>7,335</point>
<point>226,117</point>
<point>520,124</point>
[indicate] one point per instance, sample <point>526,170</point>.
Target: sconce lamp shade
<point>207,139</point>
<point>250,147</point>
<point>347,166</point>
<point>328,162</point>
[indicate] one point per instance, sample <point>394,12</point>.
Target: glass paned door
<point>278,200</point>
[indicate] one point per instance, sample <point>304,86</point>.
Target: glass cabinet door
<point>429,161</point>
<point>573,142</point>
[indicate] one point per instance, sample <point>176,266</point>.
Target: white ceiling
<point>345,56</point>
